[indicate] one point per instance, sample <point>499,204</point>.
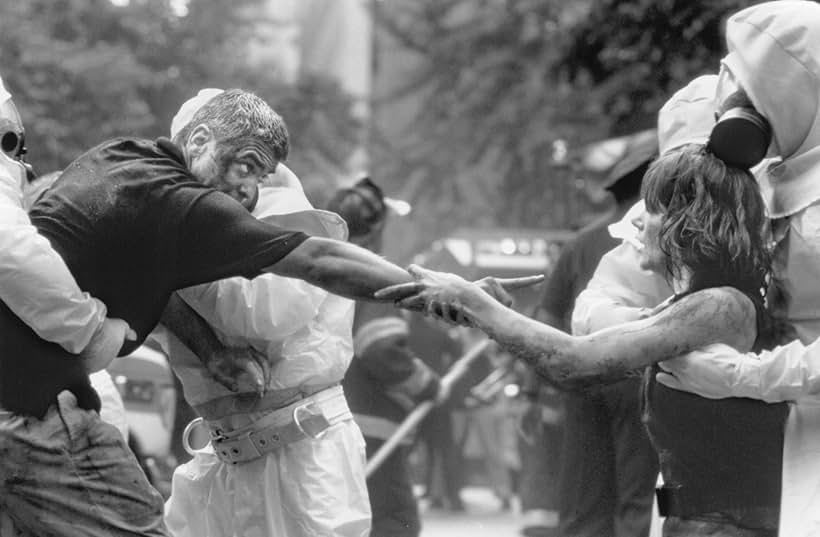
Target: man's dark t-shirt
<point>133,225</point>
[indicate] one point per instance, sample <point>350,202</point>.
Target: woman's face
<point>651,256</point>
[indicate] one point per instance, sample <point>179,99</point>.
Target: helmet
<point>362,206</point>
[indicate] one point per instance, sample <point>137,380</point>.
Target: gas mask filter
<point>12,142</point>
<point>741,136</point>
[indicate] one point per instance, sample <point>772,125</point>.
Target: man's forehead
<point>256,148</point>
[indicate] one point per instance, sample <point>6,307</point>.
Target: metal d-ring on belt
<point>307,418</point>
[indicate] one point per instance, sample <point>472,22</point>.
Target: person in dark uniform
<point>385,379</point>
<point>608,467</point>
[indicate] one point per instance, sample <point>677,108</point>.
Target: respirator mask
<point>12,143</point>
<point>741,136</point>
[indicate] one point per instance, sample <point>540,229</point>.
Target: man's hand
<point>239,369</point>
<point>711,372</point>
<point>448,296</point>
<point>105,344</point>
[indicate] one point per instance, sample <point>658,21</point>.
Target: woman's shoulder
<point>728,300</point>
<point>728,309</point>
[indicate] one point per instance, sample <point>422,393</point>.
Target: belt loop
<point>186,435</point>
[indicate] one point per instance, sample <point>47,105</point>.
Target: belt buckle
<point>236,450</point>
<point>300,425</point>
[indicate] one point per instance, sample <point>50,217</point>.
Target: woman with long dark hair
<point>705,230</point>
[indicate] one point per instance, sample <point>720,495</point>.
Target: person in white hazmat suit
<point>290,463</point>
<point>38,287</point>
<point>772,58</point>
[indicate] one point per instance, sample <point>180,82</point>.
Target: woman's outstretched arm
<point>717,315</point>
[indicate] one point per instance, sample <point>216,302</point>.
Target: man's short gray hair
<point>237,114</point>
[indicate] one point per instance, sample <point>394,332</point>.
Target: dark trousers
<point>394,507</point>
<point>443,479</point>
<point>540,446</point>
<point>609,467</point>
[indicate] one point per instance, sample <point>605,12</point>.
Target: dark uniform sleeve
<point>219,238</point>
<point>380,345</point>
<point>558,295</point>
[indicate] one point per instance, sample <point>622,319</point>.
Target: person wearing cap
<point>386,379</point>
<point>608,467</point>
<point>134,220</point>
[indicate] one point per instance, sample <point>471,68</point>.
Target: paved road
<point>481,518</point>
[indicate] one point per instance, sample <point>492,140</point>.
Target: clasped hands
<point>449,297</point>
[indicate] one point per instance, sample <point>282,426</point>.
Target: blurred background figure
<point>492,417</point>
<point>608,466</point>
<point>385,380</point>
<point>540,436</point>
<point>438,345</point>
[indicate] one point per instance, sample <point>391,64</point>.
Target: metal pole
<point>414,418</point>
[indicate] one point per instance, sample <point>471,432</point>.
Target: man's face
<point>651,256</point>
<point>235,169</point>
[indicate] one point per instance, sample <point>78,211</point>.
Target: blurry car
<point>145,382</point>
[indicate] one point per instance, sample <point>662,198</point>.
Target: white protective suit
<point>35,282</point>
<point>773,55</point>
<point>312,487</point>
<point>37,286</point>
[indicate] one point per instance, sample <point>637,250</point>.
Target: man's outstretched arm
<point>351,271</point>
<point>340,267</point>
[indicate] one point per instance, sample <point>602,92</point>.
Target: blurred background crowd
<point>501,123</point>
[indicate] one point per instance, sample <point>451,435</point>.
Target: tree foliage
<point>83,71</point>
<point>499,81</point>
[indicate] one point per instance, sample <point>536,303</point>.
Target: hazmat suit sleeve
<point>786,373</point>
<point>35,282</point>
<point>267,307</point>
<point>619,291</point>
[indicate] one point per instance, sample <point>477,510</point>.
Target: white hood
<point>773,53</point>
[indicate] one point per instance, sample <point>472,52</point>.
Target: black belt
<point>677,501</point>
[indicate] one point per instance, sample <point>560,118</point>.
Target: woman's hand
<point>450,297</point>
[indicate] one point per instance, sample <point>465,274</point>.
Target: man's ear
<point>199,138</point>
